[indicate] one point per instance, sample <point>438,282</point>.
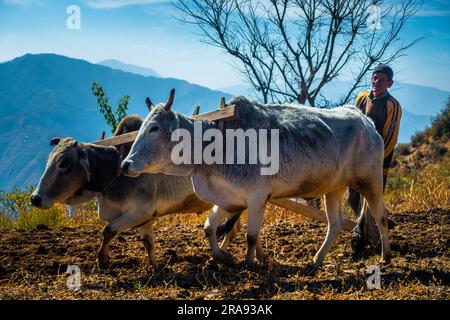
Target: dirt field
<point>33,263</point>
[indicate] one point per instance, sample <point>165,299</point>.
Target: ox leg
<point>148,238</point>
<point>124,222</point>
<point>216,216</point>
<point>129,220</point>
<point>103,253</point>
<point>231,235</point>
<point>255,222</point>
<point>335,217</point>
<point>378,211</point>
<point>260,254</point>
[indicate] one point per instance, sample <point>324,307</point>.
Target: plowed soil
<point>34,263</point>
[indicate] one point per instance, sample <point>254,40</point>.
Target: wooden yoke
<point>228,113</point>
<point>121,154</point>
<point>222,106</point>
<point>224,114</point>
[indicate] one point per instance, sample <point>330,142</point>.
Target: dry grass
<point>419,188</point>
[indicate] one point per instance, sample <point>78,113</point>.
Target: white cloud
<point>113,4</point>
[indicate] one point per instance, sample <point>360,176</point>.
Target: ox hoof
<point>391,224</point>
<point>261,256</point>
<point>156,267</point>
<point>310,269</point>
<point>223,257</point>
<point>385,261</point>
<point>250,265</point>
<point>357,243</point>
<point>103,262</point>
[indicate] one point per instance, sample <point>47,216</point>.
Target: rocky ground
<point>34,263</point>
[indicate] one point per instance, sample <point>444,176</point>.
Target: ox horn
<point>170,100</point>
<point>196,111</point>
<point>150,104</point>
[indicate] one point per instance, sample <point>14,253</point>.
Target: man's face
<point>380,83</point>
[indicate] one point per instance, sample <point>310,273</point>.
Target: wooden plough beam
<point>309,212</point>
<point>227,113</point>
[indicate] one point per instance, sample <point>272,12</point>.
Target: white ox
<point>321,152</point>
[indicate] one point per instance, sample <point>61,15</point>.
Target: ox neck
<point>103,165</point>
<point>188,123</point>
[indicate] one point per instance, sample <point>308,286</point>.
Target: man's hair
<point>384,68</point>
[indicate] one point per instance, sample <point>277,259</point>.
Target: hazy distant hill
<point>419,103</point>
<point>420,100</point>
<point>47,95</point>
<point>119,65</point>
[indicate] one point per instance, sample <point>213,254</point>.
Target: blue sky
<point>146,33</point>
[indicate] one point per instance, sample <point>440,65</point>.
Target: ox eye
<point>64,163</point>
<point>152,129</point>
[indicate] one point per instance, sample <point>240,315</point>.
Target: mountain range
<point>47,95</point>
<point>119,65</point>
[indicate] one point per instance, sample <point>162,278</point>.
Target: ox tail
<point>225,228</point>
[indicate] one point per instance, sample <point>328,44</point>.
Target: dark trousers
<point>366,231</point>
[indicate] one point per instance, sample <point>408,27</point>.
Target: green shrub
<point>438,131</point>
<point>439,151</point>
<point>112,119</point>
<point>419,138</point>
<point>402,149</point>
<point>16,211</point>
<point>440,127</point>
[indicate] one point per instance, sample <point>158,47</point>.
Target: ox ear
<point>169,102</point>
<point>84,162</point>
<point>54,141</point>
<point>149,104</point>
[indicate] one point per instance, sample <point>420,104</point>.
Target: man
<point>386,112</point>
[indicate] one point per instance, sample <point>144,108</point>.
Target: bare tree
<point>289,50</point>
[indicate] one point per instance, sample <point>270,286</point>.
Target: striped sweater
<point>386,113</point>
